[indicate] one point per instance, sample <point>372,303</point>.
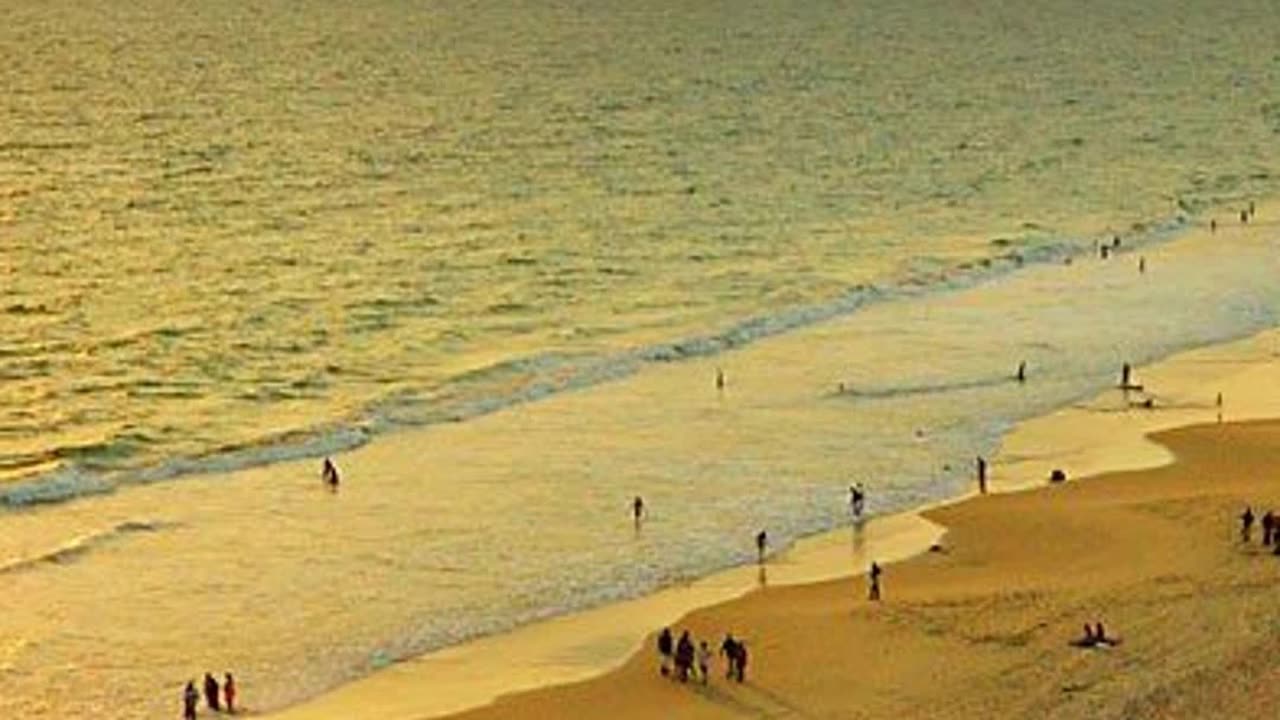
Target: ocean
<point>489,256</point>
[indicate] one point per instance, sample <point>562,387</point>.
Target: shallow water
<point>244,233</point>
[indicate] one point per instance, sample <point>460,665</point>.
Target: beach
<point>510,266</point>
<point>1143,536</point>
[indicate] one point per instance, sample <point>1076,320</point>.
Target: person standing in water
<point>329,474</point>
<point>982,475</point>
<point>1126,372</point>
<point>857,500</point>
<point>762,542</point>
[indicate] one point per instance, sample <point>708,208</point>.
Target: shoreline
<point>1100,435</point>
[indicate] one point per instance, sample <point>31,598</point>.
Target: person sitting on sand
<point>665,649</point>
<point>1246,524</point>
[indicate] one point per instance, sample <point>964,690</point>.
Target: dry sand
<point>983,625</point>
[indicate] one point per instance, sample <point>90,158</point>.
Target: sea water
<point>494,254</point>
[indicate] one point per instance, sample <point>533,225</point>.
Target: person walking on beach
<point>729,649</point>
<point>982,475</point>
<point>1213,225</point>
<point>873,577</point>
<point>740,664</point>
<point>329,474</point>
<point>684,656</point>
<point>1244,217</point>
<point>637,509</point>
<point>1252,210</point>
<point>212,696</point>
<point>1246,524</point>
<point>229,692</point>
<point>1142,265</point>
<point>665,650</point>
<point>1126,372</point>
<point>1022,371</point>
<point>190,698</point>
<point>1268,527</point>
<point>762,542</point>
<point>719,379</point>
<point>704,661</point>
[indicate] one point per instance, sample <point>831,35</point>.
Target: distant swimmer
<point>982,475</point>
<point>762,543</point>
<point>1022,371</point>
<point>719,379</point>
<point>637,509</point>
<point>329,474</point>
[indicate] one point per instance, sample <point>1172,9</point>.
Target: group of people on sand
<point>1270,529</point>
<point>682,660</point>
<point>218,698</point>
<point>1095,636</point>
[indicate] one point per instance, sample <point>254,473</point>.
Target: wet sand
<point>983,624</point>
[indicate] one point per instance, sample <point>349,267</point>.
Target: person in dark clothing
<point>329,474</point>
<point>637,509</point>
<point>229,692</point>
<point>212,694</point>
<point>1125,373</point>
<point>1246,524</point>
<point>665,649</point>
<point>729,649</point>
<point>1022,371</point>
<point>873,577</point>
<point>189,700</point>
<point>762,542</point>
<point>740,667</point>
<point>1268,527</point>
<point>684,656</point>
<point>982,475</point>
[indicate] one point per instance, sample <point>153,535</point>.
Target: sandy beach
<point>1142,537</point>
<point>984,625</point>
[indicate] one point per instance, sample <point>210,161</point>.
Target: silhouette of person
<point>982,475</point>
<point>740,667</point>
<point>762,542</point>
<point>637,509</point>
<point>190,698</point>
<point>329,474</point>
<point>229,692</point>
<point>666,646</point>
<point>1246,524</point>
<point>729,649</point>
<point>873,577</point>
<point>719,379</point>
<point>1126,372</point>
<point>1268,527</point>
<point>211,693</point>
<point>1022,371</point>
